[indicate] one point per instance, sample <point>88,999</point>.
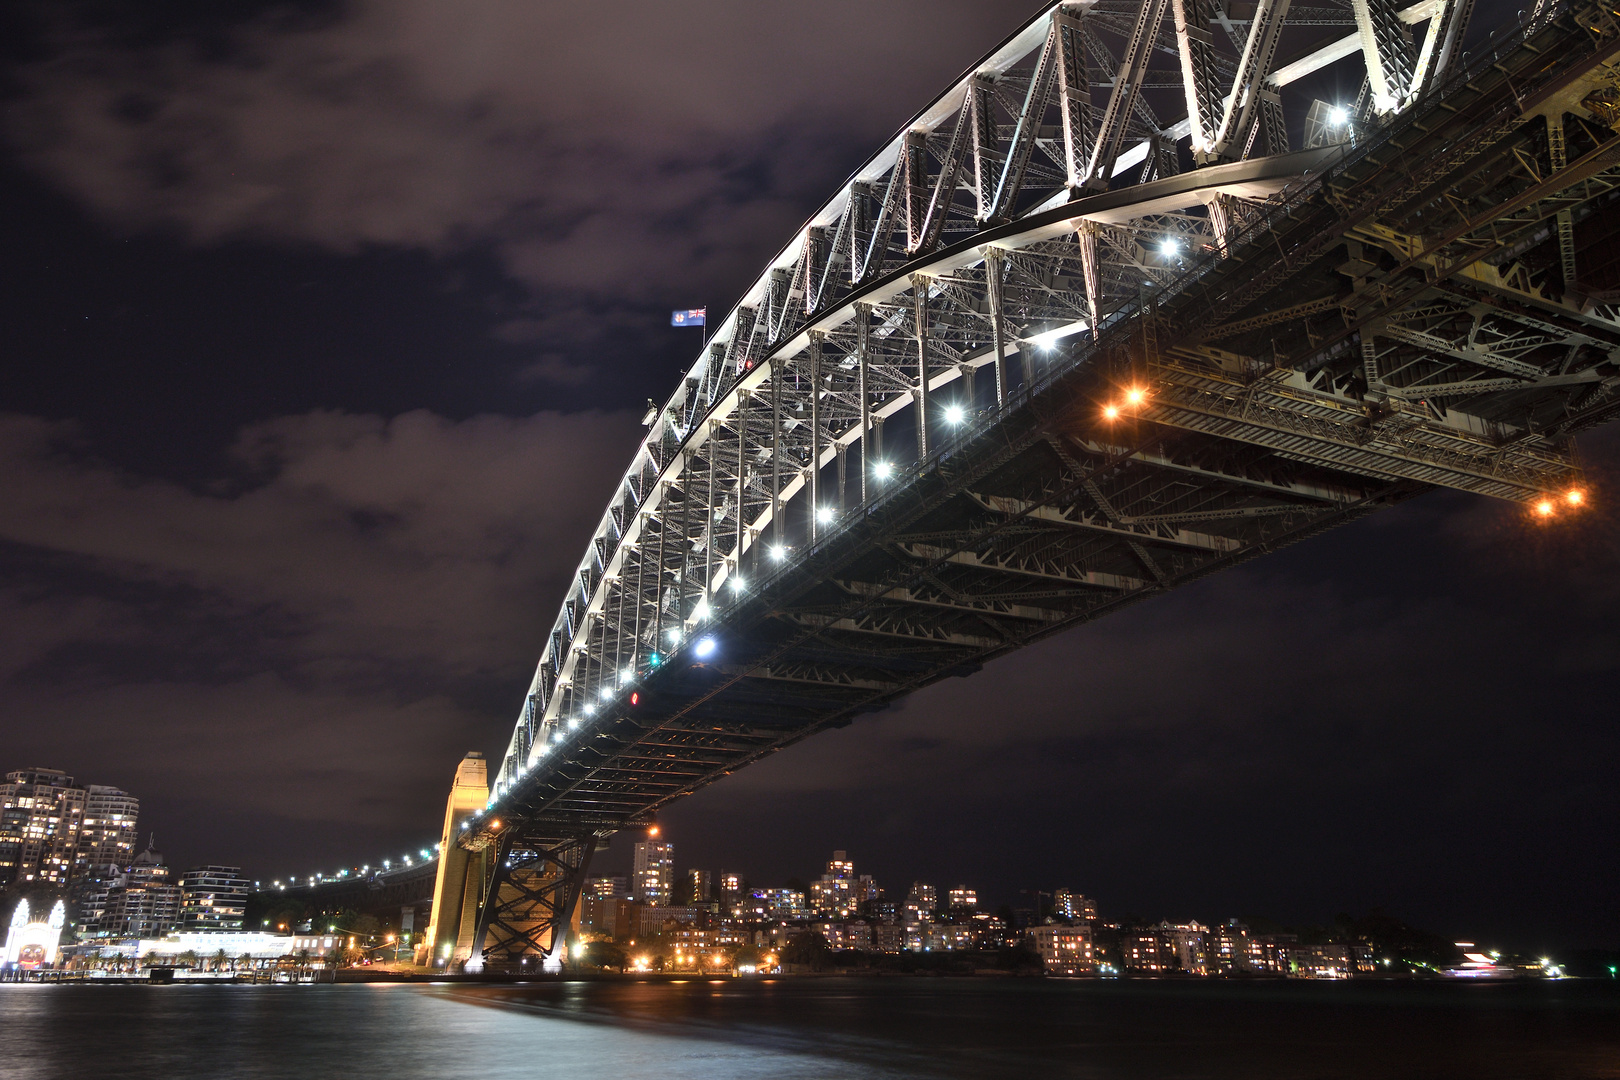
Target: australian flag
<point>690,317</point>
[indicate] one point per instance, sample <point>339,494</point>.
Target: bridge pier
<point>505,897</point>
<point>457,887</point>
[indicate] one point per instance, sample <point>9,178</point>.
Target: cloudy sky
<point>326,329</point>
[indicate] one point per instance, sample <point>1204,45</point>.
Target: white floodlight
<point>824,514</point>
<point>704,648</point>
<point>955,414</point>
<point>1170,247</point>
<point>1338,116</point>
<point>778,552</point>
<point>883,469</point>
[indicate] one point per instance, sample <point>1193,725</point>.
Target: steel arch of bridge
<point>889,466</point>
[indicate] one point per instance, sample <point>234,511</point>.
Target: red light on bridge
<point>635,697</point>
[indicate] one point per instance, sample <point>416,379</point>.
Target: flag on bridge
<point>689,317</point>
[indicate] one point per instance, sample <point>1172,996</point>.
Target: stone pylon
<point>449,938</point>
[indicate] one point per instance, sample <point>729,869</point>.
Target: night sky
<point>325,333</point>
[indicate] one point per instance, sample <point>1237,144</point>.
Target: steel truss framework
<point>890,464</point>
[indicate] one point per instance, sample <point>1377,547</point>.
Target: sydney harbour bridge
<point>1129,303</point>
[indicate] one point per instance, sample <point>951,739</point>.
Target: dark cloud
<point>607,149</point>
<point>330,617</point>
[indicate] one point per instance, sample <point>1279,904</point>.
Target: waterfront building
<point>855,934</point>
<point>41,811</point>
<point>889,938</point>
<point>654,876</point>
<point>107,832</point>
<point>947,936</point>
<point>1188,942</point>
<point>1065,950</point>
<point>213,898</point>
<point>231,948</point>
<point>1144,950</point>
<point>833,895</point>
<point>962,899</point>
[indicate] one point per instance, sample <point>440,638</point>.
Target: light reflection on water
<point>880,1028</point>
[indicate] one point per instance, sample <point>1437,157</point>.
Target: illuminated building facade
<point>600,899</point>
<point>143,901</point>
<point>107,832</point>
<point>1065,950</point>
<point>41,811</point>
<point>1068,904</point>
<point>213,899</point>
<point>834,894</point>
<point>921,902</point>
<point>654,878</point>
<point>699,887</point>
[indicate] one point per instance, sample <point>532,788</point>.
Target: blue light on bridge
<point>704,648</point>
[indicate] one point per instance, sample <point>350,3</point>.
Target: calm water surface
<point>899,1027</point>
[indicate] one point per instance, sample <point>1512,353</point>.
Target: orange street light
<point>1111,412</point>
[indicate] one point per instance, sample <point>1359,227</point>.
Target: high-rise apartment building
<point>654,878</point>
<point>143,902</point>
<point>41,811</point>
<point>699,890</point>
<point>731,897</point>
<point>921,903</point>
<point>962,898</point>
<point>833,895</point>
<point>1068,904</point>
<point>107,833</point>
<point>212,898</point>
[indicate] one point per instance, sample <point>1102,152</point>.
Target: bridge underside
<point>1438,305</point>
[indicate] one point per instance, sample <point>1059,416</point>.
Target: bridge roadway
<point>1026,369</point>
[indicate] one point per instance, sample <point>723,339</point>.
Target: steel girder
<point>889,465</point>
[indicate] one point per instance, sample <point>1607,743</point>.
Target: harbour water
<point>814,1027</point>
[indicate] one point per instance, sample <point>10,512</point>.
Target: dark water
<point>901,1027</point>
